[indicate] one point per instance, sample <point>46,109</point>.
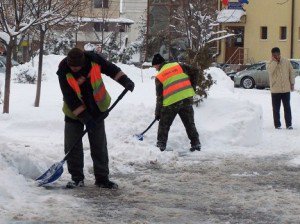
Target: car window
<point>295,65</point>
<point>254,67</point>
<point>13,62</point>
<point>263,67</point>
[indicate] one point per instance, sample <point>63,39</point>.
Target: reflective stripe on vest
<point>101,96</point>
<point>176,84</point>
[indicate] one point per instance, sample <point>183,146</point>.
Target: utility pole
<point>147,32</point>
<point>292,28</point>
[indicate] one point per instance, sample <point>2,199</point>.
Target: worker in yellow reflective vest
<point>175,89</point>
<point>85,99</point>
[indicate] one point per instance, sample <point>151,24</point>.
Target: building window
<point>101,3</point>
<point>123,27</point>
<point>264,33</point>
<point>99,26</point>
<point>283,33</point>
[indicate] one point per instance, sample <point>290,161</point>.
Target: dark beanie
<point>157,59</point>
<point>75,57</point>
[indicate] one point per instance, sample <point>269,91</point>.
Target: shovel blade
<point>139,137</point>
<point>52,174</point>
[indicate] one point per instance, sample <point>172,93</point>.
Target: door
<point>234,53</point>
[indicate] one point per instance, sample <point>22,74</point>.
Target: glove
<point>126,83</point>
<point>87,120</point>
<point>157,117</point>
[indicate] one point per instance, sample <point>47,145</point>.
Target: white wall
<point>133,9</point>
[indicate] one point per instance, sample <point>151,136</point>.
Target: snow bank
<point>295,162</point>
<point>225,118</point>
<point>223,84</point>
<point>297,83</point>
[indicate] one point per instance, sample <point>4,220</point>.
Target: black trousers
<point>168,114</point>
<point>98,146</point>
<point>277,98</point>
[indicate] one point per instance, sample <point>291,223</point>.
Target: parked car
<point>3,64</point>
<point>231,75</point>
<point>257,75</point>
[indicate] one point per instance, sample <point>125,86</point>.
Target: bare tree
<point>59,10</point>
<point>15,20</point>
<point>196,22</point>
<point>108,29</point>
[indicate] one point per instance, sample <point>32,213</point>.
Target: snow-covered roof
<point>230,15</point>
<point>112,20</point>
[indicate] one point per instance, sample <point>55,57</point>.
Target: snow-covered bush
<point>0,93</point>
<point>59,43</point>
<point>25,74</point>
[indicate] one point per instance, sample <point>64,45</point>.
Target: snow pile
<point>227,119</point>
<point>295,162</point>
<point>223,84</point>
<point>297,83</point>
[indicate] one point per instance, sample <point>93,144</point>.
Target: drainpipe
<point>292,28</point>
<point>219,44</point>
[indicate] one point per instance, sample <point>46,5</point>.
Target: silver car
<point>3,64</point>
<point>257,75</point>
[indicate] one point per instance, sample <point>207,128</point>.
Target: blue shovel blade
<point>139,137</point>
<point>52,174</point>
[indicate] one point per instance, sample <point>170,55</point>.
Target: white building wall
<point>133,9</point>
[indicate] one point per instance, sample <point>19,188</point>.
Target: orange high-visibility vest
<point>101,96</point>
<point>176,84</point>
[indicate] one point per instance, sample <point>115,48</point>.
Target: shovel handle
<point>118,99</point>
<point>99,118</point>
<point>152,123</point>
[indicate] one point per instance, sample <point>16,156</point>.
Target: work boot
<point>73,184</point>
<point>161,146</point>
<point>195,147</point>
<point>106,183</point>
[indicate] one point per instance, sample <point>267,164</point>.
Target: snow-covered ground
<point>242,153</point>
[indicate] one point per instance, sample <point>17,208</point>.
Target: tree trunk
<point>14,51</point>
<point>7,77</point>
<point>40,69</point>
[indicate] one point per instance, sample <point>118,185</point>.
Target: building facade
<point>101,18</point>
<point>259,26</point>
<point>137,12</point>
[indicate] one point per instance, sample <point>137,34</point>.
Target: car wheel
<point>248,83</point>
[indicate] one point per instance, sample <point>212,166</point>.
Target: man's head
<point>75,59</point>
<point>276,53</point>
<point>157,61</point>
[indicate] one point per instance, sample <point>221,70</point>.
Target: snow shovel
<point>56,170</point>
<point>141,136</point>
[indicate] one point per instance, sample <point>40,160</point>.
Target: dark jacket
<point>70,97</point>
<point>191,72</point>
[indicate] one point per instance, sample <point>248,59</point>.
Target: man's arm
<point>159,98</point>
<point>272,66</point>
<point>111,70</point>
<point>193,73</point>
<point>291,75</point>
<point>70,97</point>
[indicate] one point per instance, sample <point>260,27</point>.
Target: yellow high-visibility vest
<point>101,96</point>
<point>176,84</point>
